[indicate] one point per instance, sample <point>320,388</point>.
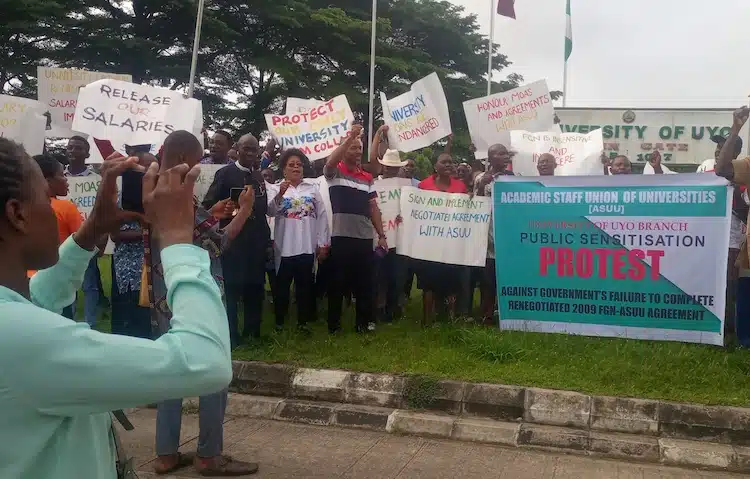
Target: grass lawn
<point>618,367</point>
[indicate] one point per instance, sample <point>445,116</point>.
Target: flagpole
<point>370,112</point>
<point>565,84</point>
<point>490,42</point>
<point>196,44</point>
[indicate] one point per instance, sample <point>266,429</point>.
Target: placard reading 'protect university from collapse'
<point>628,256</point>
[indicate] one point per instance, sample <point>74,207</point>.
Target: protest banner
<point>389,202</point>
<point>133,114</point>
<point>82,192</point>
<point>57,90</point>
<point>316,132</point>
<point>491,118</point>
<point>575,153</point>
<point>628,256</point>
<point>300,105</point>
<point>446,228</point>
<point>419,117</point>
<point>203,183</point>
<point>21,120</point>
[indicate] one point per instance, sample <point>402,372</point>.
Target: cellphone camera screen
<point>132,191</point>
<point>234,194</point>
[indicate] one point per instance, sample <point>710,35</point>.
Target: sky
<point>632,54</point>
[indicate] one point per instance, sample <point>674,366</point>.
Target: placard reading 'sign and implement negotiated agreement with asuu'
<point>628,256</point>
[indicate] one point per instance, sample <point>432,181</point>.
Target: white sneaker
<point>371,326</point>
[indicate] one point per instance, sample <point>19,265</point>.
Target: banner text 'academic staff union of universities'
<point>630,256</point>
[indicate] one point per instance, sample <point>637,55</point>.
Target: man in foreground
<point>182,147</point>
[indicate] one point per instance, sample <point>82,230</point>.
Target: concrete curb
<point>659,419</point>
<point>567,439</point>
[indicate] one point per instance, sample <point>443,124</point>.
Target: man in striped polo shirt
<point>355,213</point>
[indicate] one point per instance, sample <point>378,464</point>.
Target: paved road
<point>286,450</point>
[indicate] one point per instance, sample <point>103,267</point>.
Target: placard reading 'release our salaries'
<point>491,118</point>
<point>133,114</point>
<point>444,227</point>
<point>634,256</point>
<point>575,153</point>
<point>389,202</point>
<point>316,132</point>
<point>418,118</point>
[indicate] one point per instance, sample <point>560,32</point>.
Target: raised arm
<point>329,170</point>
<point>724,166</point>
<point>381,137</point>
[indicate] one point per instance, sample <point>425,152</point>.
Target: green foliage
<point>254,55</point>
<point>420,391</point>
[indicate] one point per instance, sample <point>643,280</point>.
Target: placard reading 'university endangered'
<point>418,118</point>
<point>134,114</point>
<point>628,256</point>
<point>389,202</point>
<point>316,132</point>
<point>575,153</point>
<point>492,118</point>
<point>444,227</point>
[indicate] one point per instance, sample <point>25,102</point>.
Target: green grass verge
<point>617,367</point>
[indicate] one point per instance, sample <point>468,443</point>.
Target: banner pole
<point>490,43</point>
<point>196,44</point>
<point>371,108</point>
<point>565,84</point>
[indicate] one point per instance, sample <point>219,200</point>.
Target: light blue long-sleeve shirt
<point>59,379</point>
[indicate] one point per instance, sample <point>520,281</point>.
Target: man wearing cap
<point>738,172</point>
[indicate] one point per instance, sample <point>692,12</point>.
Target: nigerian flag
<point>568,32</point>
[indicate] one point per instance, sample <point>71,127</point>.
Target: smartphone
<point>132,191</point>
<point>234,194</point>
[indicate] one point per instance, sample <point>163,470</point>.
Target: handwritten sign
<point>419,117</point>
<point>82,192</point>
<point>300,105</point>
<point>134,114</point>
<point>57,90</point>
<point>491,118</point>
<point>389,202</point>
<point>203,183</point>
<point>21,120</point>
<point>576,154</point>
<point>444,227</point>
<point>316,132</point>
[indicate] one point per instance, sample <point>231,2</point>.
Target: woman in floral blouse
<point>301,234</point>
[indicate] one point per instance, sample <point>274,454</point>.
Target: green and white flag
<point>568,32</point>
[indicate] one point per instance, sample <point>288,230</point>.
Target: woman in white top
<point>301,233</point>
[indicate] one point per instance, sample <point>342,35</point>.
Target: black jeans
<point>129,319</point>
<point>300,270</point>
<point>391,270</point>
<point>351,270</point>
<point>251,296</point>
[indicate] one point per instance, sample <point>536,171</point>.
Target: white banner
<point>389,202</point>
<point>22,121</point>
<point>134,114</point>
<point>491,118</point>
<point>576,154</point>
<point>300,105</point>
<point>444,227</point>
<point>82,192</point>
<point>57,90</point>
<point>418,118</point>
<point>203,183</point>
<point>316,132</point>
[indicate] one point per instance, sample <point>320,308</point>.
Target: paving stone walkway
<point>287,450</point>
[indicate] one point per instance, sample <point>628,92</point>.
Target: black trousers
<point>391,270</point>
<point>129,319</point>
<point>251,296</point>
<point>352,270</point>
<point>298,269</point>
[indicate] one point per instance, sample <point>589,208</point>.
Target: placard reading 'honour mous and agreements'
<point>418,118</point>
<point>576,154</point>
<point>133,114</point>
<point>444,227</point>
<point>491,118</point>
<point>389,201</point>
<point>22,121</point>
<point>57,90</point>
<point>629,256</point>
<point>316,132</point>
